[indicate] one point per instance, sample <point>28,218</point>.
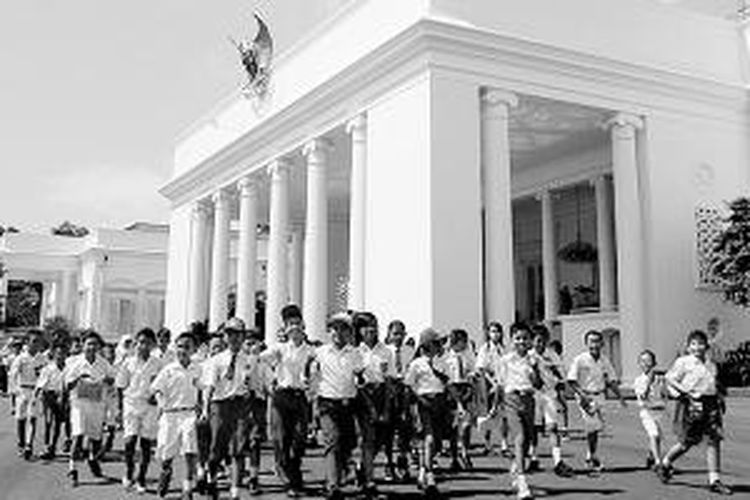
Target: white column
<point>94,302</point>
<point>499,287</point>
<point>68,296</point>
<point>4,272</point>
<point>629,230</point>
<point>314,285</point>
<point>605,244</point>
<point>198,279</point>
<point>220,261</point>
<point>549,257</point>
<point>277,237</point>
<point>141,310</point>
<point>295,266</point>
<point>247,250</point>
<point>357,128</point>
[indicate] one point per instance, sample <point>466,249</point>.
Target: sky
<point>94,93</point>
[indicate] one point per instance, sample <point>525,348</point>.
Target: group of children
<point>208,402</point>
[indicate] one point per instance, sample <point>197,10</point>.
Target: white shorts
<point>86,418</point>
<point>593,417</point>
<point>651,421</point>
<point>27,406</point>
<point>176,435</point>
<point>140,420</point>
<point>548,407</point>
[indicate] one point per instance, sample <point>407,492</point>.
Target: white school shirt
<point>421,378</point>
<point>696,377</point>
<point>177,386</point>
<point>290,362</point>
<point>549,364</point>
<point>649,392</point>
<point>459,365</point>
<point>488,357</point>
<point>402,356</point>
<point>337,371</point>
<point>592,375</point>
<point>166,357</point>
<point>374,359</point>
<point>51,378</point>
<point>217,375</point>
<point>26,369</point>
<point>515,372</point>
<point>97,371</point>
<point>135,376</point>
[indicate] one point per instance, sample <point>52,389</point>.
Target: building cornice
<point>488,58</point>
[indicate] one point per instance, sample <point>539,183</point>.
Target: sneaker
<point>73,476</point>
<point>48,454</point>
<point>293,493</point>
<point>390,474</point>
<point>140,488</point>
<point>66,446</point>
<point>95,468</point>
<point>720,488</point>
<point>254,486</point>
<point>594,465</point>
<point>28,453</point>
<point>127,483</point>
<point>534,465</point>
<point>650,462</point>
<point>421,478</point>
<point>564,470</point>
<point>506,453</point>
<point>664,472</point>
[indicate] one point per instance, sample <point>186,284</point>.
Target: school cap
<point>428,336</point>
<point>234,325</point>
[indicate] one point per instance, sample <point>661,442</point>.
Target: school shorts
<point>54,406</point>
<point>27,405</point>
<point>435,416</point>
<point>696,419</point>
<point>651,421</point>
<point>519,410</point>
<point>86,418</point>
<point>252,424</point>
<point>592,414</point>
<point>548,408</point>
<point>139,419</point>
<point>227,436</point>
<point>177,434</point>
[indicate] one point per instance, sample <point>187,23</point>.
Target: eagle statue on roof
<point>256,58</point>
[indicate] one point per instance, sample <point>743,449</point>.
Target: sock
<point>234,492</point>
<point>556,455</point>
<point>187,485</point>
<point>523,487</point>
<point>532,453</point>
<point>713,477</point>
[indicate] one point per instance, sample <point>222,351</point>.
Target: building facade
<point>452,163</point>
<point>111,280</point>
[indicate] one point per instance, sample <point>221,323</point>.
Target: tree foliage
<point>67,228</point>
<point>731,263</point>
<point>8,229</point>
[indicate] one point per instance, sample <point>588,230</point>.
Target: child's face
<point>90,347</point>
<point>594,344</point>
<point>59,355</point>
<point>339,337</point>
<point>521,341</point>
<point>460,345</point>
<point>646,362</point>
<point>143,345</point>
<point>35,344</point>
<point>216,346</point>
<point>496,335</point>
<point>163,341</point>
<point>76,347</point>
<point>397,335</point>
<point>697,347</point>
<point>433,349</point>
<point>370,335</point>
<point>108,353</point>
<point>540,343</point>
<point>184,349</point>
<point>233,339</point>
<point>296,335</point>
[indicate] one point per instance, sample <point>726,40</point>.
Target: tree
<point>731,263</point>
<point>8,229</point>
<point>67,228</point>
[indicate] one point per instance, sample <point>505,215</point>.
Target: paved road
<point>623,453</point>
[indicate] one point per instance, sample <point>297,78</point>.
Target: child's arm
<point>614,386</point>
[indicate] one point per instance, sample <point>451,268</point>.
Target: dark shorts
<point>55,406</point>
<point>462,393</point>
<point>228,438</point>
<point>435,415</point>
<point>252,423</point>
<point>519,410</point>
<point>696,419</point>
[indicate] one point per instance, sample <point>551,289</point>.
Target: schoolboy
<point>589,376</point>
<point>649,392</point>
<point>85,376</point>
<point>487,358</point>
<point>401,421</point>
<point>547,400</point>
<point>215,345</point>
<point>112,406</point>
<point>139,411</point>
<point>24,373</point>
<point>338,371</point>
<point>256,407</point>
<point>460,361</point>
<point>518,376</point>
<point>177,390</point>
<point>699,409</point>
<point>224,403</point>
<point>163,349</point>
<point>49,390</point>
<point>427,378</point>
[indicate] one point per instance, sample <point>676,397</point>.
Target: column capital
<point>278,166</point>
<point>543,193</point>
<point>221,196</point>
<point>317,147</point>
<point>357,124</point>
<point>624,123</point>
<point>496,100</point>
<point>246,185</point>
<point>597,179</point>
<point>202,205</point>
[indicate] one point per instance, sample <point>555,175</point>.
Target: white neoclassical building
<point>112,280</point>
<point>449,163</point>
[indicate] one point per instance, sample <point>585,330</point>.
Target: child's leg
<point>32,433</point>
<point>592,442</point>
<point>555,444</point>
<point>21,433</point>
<point>146,446</point>
<point>654,442</point>
<point>674,453</point>
<point>713,460</point>
<point>165,477</point>
<point>191,461</point>
<point>130,444</point>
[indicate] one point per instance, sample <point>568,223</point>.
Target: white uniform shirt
<point>696,377</point>
<point>219,377</point>
<point>592,375</point>
<point>337,371</point>
<point>550,369</point>
<point>95,373</point>
<point>649,392</point>
<point>51,378</point>
<point>488,357</point>
<point>290,362</point>
<point>459,365</point>
<point>26,369</point>
<point>177,386</point>
<point>378,362</point>
<point>515,372</point>
<point>402,356</point>
<point>135,377</point>
<point>421,377</point>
